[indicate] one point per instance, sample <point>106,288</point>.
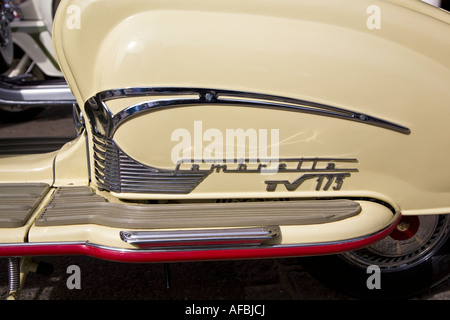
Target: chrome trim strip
<point>201,237</point>
<point>37,94</point>
<point>109,123</point>
<point>172,249</point>
<point>394,221</point>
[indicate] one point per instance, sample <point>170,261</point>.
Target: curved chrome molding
<point>204,237</point>
<point>106,123</point>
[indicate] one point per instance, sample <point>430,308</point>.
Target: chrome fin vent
<point>117,172</point>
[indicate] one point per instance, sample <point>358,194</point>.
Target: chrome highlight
<point>107,123</point>
<point>116,171</point>
<point>78,119</point>
<point>206,237</point>
<point>13,274</point>
<point>39,94</point>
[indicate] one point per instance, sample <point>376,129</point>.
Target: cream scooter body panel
<point>305,50</point>
<point>215,130</point>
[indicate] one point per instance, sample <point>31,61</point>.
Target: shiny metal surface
<point>96,107</point>
<point>40,94</point>
<point>116,171</point>
<point>213,237</point>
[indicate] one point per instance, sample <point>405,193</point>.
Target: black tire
<point>399,275</point>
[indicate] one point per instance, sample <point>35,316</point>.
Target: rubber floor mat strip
<point>80,205</point>
<point>18,201</point>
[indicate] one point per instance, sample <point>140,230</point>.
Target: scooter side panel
<point>327,54</point>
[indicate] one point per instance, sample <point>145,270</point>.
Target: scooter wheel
<point>411,260</point>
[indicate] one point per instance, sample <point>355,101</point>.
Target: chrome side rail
<point>206,237</point>
<point>36,94</point>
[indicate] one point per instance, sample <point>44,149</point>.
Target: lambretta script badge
<point>203,151</point>
<point>329,173</point>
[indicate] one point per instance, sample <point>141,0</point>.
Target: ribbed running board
<point>80,205</point>
<point>18,202</point>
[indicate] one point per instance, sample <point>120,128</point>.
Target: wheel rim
<point>415,239</point>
